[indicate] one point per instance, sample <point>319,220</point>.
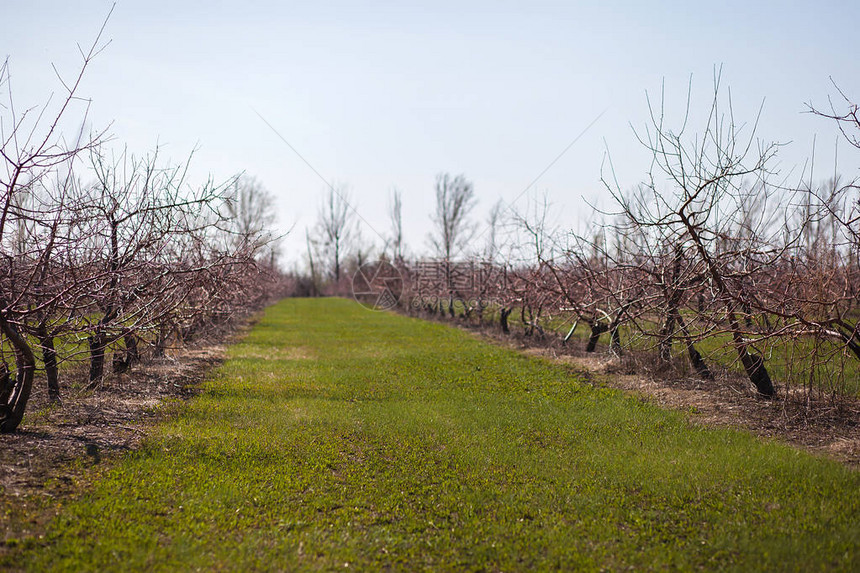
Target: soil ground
<point>48,455</point>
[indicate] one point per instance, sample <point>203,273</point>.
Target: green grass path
<point>338,438</point>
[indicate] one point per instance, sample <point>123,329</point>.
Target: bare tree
<point>455,199</point>
<point>695,199</point>
<point>129,257</point>
<point>146,217</point>
<point>249,218</point>
<point>336,228</point>
<point>706,248</point>
<point>32,146</point>
<point>54,252</point>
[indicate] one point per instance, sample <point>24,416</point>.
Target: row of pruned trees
<point>106,251</point>
<point>710,258</point>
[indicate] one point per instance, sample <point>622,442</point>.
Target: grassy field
<point>336,437</point>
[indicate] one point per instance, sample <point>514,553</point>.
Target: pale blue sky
<point>382,94</point>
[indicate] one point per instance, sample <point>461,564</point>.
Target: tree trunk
<point>696,360</point>
<point>167,334</point>
<point>132,354</point>
<point>848,336</point>
<point>49,357</point>
<point>754,366</point>
<point>98,343</point>
<point>748,315</point>
<point>15,395</point>
<point>753,363</point>
<point>667,335</point>
<point>672,294</point>
<point>698,363</point>
<point>597,328</point>
<point>6,385</point>
<point>503,319</point>
<point>615,337</point>
<point>528,323</point>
